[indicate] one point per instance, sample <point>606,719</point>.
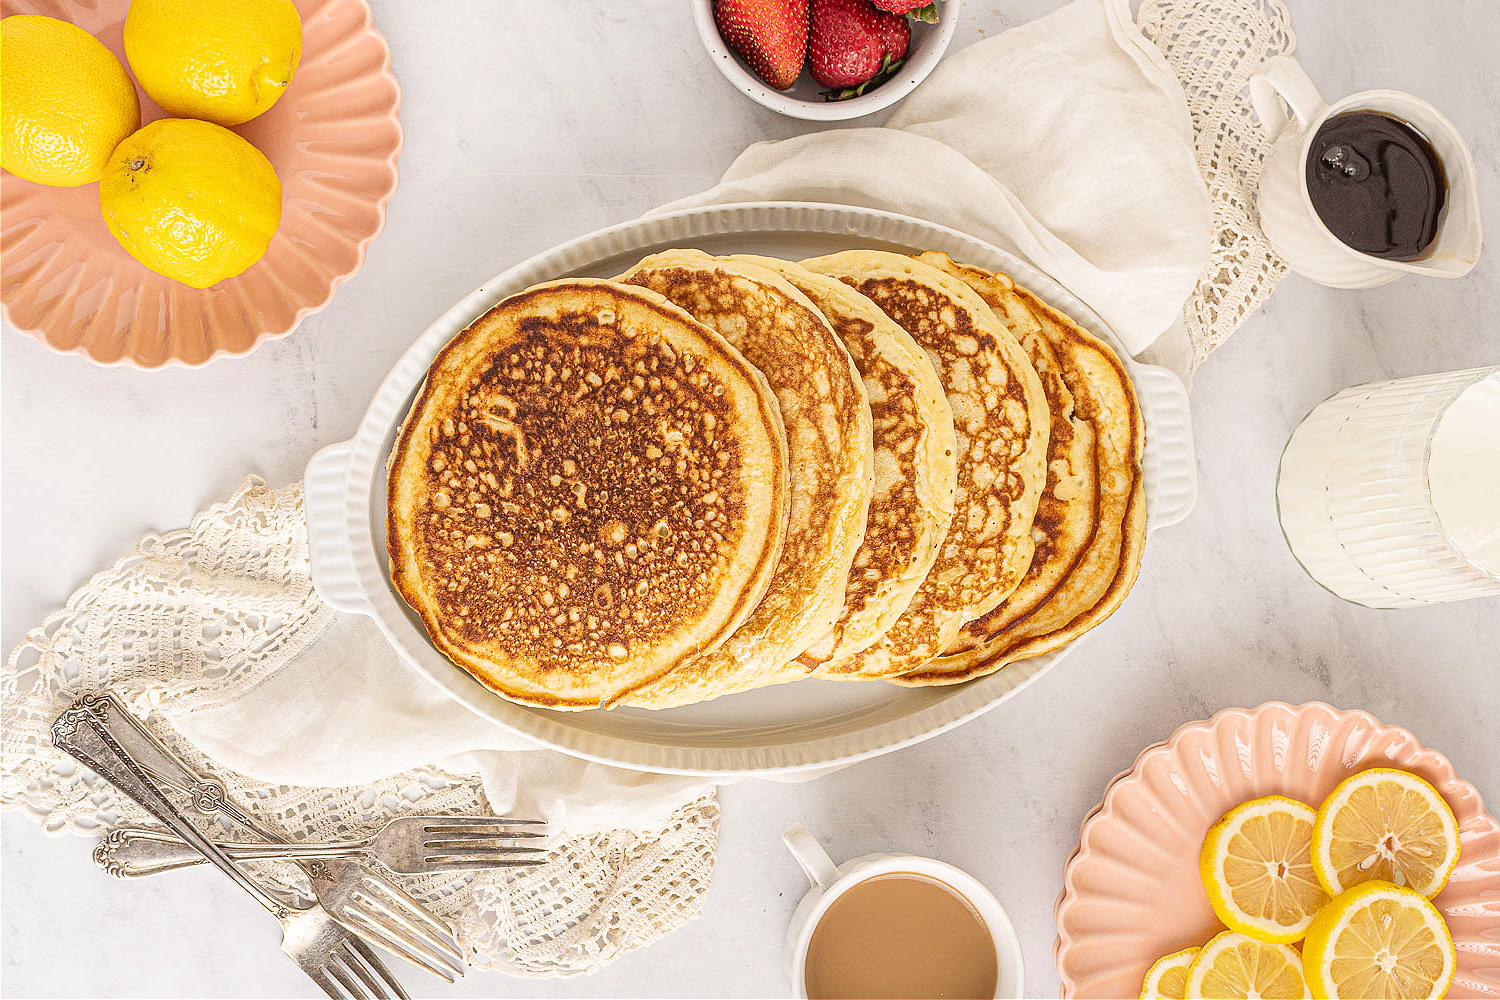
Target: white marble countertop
<point>526,127</point>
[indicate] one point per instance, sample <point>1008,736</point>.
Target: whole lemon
<point>223,61</point>
<point>191,200</point>
<point>65,101</point>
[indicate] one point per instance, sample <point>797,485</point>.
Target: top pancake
<point>590,488</point>
<point>1106,568</point>
<point>1000,424</point>
<point>829,453</point>
<point>914,467</point>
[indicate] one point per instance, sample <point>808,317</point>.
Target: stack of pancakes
<point>713,474</point>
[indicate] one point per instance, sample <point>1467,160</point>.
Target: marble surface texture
<point>530,124</point>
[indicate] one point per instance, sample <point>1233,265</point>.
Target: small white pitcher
<point>830,881</point>
<point>1287,216</point>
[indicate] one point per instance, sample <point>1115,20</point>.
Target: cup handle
<point>815,862</point>
<point>1282,78</point>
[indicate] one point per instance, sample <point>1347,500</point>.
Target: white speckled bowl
<point>804,99</point>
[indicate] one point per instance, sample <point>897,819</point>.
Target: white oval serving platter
<point>807,726</point>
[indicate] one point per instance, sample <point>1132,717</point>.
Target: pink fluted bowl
<point>333,139</point>
<point>1131,892</point>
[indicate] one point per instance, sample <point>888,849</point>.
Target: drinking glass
<point>1355,490</point>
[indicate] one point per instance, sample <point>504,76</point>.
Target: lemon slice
<point>1167,977</point>
<point>1379,940</point>
<point>1385,825</point>
<point>1235,966</point>
<point>1256,866</point>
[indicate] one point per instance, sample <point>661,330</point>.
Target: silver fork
<point>342,965</point>
<point>365,902</point>
<point>407,845</point>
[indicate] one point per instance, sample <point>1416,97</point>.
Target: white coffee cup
<point>830,881</point>
<point>1287,216</point>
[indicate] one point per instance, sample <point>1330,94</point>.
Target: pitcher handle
<point>815,862</point>
<point>1282,78</point>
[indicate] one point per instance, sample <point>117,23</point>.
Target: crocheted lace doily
<point>194,618</point>
<point>1213,46</point>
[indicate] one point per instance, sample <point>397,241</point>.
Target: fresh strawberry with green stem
<point>770,35</point>
<point>922,10</point>
<point>852,43</point>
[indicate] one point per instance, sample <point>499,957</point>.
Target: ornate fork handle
<point>132,853</point>
<point>82,734</point>
<point>161,765</point>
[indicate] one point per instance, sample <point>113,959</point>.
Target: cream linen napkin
<point>1066,140</point>
<point>346,711</point>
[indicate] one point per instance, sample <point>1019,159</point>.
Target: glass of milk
<point>1389,493</point>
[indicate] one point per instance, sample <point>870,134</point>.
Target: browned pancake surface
<point>585,493</point>
<point>1068,510</point>
<point>826,419</point>
<point>1000,426</point>
<point>914,476</point>
<point>1102,575</point>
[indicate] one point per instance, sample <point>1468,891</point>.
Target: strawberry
<point>770,35</point>
<point>852,42</point>
<point>922,10</point>
<point>896,33</point>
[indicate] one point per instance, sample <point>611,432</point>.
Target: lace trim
<point>194,618</point>
<point>1213,46</point>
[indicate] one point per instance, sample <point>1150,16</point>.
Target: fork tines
<point>485,821</point>
<point>404,930</point>
<point>481,842</point>
<point>354,971</point>
<point>488,832</point>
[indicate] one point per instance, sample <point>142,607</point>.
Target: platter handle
<point>323,490</point>
<point>1171,466</point>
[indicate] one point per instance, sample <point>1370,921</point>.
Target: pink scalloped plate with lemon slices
<point>1131,891</point>
<point>333,138</point>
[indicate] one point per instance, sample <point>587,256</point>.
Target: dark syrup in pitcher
<point>1377,184</point>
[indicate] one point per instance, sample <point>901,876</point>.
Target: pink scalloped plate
<point>333,139</point>
<point>1131,892</point>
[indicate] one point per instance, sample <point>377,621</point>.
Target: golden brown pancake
<point>1107,568</point>
<point>1069,505</point>
<point>1000,424</point>
<point>829,454</point>
<point>590,488</point>
<point>915,470</point>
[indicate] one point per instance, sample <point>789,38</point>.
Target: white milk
<point>1463,473</point>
